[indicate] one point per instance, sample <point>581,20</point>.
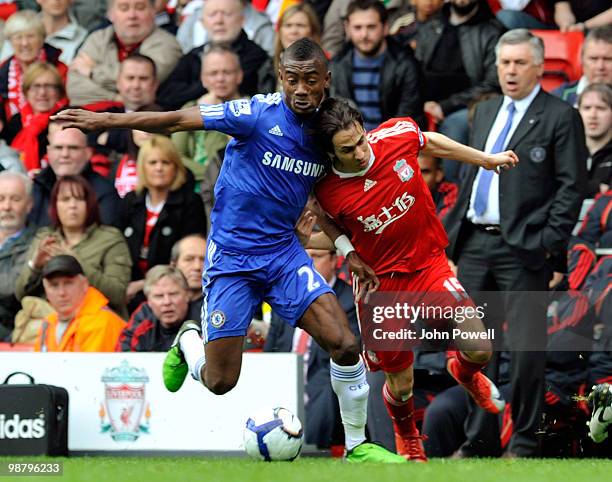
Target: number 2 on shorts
<point>311,284</point>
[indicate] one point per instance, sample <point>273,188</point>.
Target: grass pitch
<point>205,469</point>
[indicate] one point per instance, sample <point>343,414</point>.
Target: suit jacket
<point>322,413</point>
<point>540,199</point>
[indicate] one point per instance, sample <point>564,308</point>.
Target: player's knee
<point>401,383</point>
<point>401,388</point>
<point>220,385</point>
<point>345,351</point>
<point>478,356</point>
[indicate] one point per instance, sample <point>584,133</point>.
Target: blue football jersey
<point>269,169</point>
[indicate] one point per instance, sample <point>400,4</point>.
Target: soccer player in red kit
<point>377,196</point>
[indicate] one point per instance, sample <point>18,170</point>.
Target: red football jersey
<point>387,209</point>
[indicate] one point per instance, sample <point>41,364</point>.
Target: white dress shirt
<point>491,214</point>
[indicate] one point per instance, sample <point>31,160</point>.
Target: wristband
<point>343,244</point>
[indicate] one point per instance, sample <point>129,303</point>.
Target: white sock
<point>192,347</point>
<point>351,388</point>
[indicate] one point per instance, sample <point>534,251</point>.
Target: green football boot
<point>175,369</point>
<point>370,452</point>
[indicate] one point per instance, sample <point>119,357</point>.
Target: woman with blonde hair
<point>25,31</point>
<point>160,211</point>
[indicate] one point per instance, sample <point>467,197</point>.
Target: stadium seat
<point>561,57</point>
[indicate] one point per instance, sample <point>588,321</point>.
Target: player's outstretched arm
<point>438,145</point>
<point>155,122</point>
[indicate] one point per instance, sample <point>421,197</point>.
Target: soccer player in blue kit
<point>253,253</point>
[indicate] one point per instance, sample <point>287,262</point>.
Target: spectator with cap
<point>93,72</point>
<point>223,21</point>
<point>155,323</point>
<point>82,320</point>
<point>15,238</point>
<point>76,230</point>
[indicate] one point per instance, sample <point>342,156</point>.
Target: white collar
<point>523,104</point>
<point>345,175</point>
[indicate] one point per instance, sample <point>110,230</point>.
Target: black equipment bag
<point>33,418</point>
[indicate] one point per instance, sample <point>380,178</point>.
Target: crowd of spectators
<point>103,234</point>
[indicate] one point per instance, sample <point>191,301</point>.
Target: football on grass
<point>273,434</point>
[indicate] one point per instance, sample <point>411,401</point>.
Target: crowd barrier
<point>118,401</point>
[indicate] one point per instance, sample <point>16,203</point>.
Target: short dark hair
<point>359,5</point>
<point>602,33</point>
<point>80,188</point>
<point>304,49</point>
<point>143,59</point>
<point>333,115</point>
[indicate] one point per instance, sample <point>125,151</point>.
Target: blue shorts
<point>235,285</point>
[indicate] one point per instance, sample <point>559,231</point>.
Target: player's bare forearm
<point>328,226</point>
<point>155,122</point>
<point>438,145</point>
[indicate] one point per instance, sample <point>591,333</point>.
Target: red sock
<point>467,368</point>
<point>401,413</point>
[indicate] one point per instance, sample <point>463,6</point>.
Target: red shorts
<point>435,285</point>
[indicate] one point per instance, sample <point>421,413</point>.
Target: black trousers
<point>487,264</point>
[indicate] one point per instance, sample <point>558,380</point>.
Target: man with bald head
<point>223,21</point>
<point>257,25</point>
<point>69,155</point>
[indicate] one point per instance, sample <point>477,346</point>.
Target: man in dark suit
<point>506,231</point>
<point>323,425</point>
